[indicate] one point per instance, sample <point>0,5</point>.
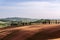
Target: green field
<point>3,24</point>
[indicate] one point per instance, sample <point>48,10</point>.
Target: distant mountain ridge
<point>18,19</point>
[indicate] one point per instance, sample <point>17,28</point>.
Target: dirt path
<point>33,32</point>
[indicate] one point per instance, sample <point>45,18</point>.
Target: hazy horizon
<point>40,9</point>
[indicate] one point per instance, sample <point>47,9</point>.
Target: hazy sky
<point>30,8</point>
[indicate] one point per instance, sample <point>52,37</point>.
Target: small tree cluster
<point>19,23</point>
<point>43,21</point>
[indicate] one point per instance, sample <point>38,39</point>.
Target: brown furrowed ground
<point>33,32</point>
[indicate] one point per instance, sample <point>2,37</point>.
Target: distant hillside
<point>18,19</point>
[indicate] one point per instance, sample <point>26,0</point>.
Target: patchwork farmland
<point>32,32</point>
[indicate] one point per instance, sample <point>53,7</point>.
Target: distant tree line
<point>20,23</point>
<point>43,21</point>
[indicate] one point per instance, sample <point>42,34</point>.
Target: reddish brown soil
<point>33,32</point>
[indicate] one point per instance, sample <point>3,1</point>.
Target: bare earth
<point>33,32</point>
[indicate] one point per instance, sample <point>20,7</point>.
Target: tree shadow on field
<point>44,35</point>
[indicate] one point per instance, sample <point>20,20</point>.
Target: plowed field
<point>32,32</point>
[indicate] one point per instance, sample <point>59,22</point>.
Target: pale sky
<point>41,9</point>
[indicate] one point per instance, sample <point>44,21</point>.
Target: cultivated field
<point>32,32</point>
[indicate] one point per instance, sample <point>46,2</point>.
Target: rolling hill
<point>18,19</point>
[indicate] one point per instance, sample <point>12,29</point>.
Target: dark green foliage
<point>15,23</point>
<point>19,23</point>
<point>43,21</point>
<point>29,23</point>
